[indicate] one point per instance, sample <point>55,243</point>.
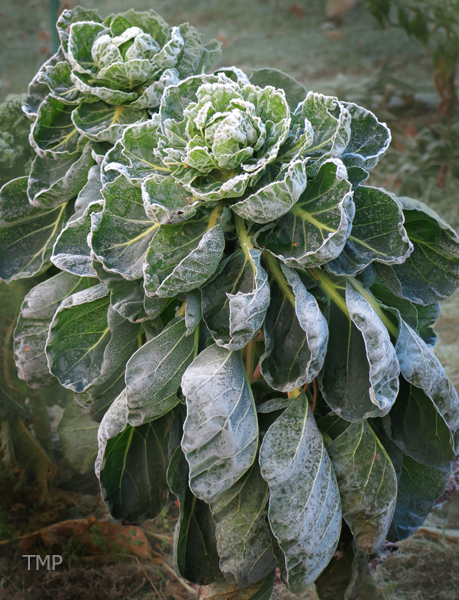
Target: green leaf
<point>71,251</point>
<point>369,138</point>
<point>87,343</point>
<point>121,237</point>
<point>127,298</point>
<point>195,57</point>
<point>82,36</point>
<point>99,396</point>
<point>101,122</point>
<point>295,92</point>
<point>154,373</point>
<point>367,484</point>
<point>84,83</point>
<point>377,234</point>
<point>431,272</point>
<point>296,336</point>
<point>193,311</point>
<point>56,75</point>
<point>235,301</point>
<point>304,504</point>
<point>90,192</point>
<point>195,547</point>
<point>31,331</point>
<point>222,590</point>
<point>274,199</point>
<point>27,233</point>
<point>315,229</point>
<point>220,432</point>
<point>54,135</point>
<point>78,438</point>
<point>360,375</point>
<point>166,202</point>
<point>75,15</point>
<point>54,181</point>
<point>242,530</point>
<point>183,257</point>
<point>132,464</point>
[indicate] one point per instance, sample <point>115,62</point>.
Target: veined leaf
<point>78,438</point>
<point>53,135</point>
<point>315,229</point>
<point>235,301</point>
<point>57,76</point>
<point>377,234</point>
<point>220,432</point>
<point>242,530</point>
<point>360,375</point>
<point>27,233</point>
<point>99,396</point>
<point>195,546</point>
<point>166,202</point>
<point>222,590</point>
<point>90,192</point>
<point>368,141</point>
<point>132,464</point>
<point>127,298</point>
<point>31,331</point>
<point>367,484</point>
<point>75,15</point>
<point>86,342</point>
<point>296,336</point>
<point>102,122</point>
<point>183,257</point>
<point>71,251</point>
<point>154,373</point>
<point>121,237</point>
<point>295,92</point>
<point>82,83</point>
<point>304,503</point>
<point>431,272</point>
<point>55,181</point>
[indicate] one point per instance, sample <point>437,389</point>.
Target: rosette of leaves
<point>253,327</point>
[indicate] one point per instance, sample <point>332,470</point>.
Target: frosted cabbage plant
<point>249,321</point>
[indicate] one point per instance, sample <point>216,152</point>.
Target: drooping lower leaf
<point>78,438</point>
<point>27,233</point>
<point>304,504</point>
<point>236,299</point>
<point>220,432</point>
<point>367,484</point>
<point>88,339</point>
<point>242,530</point>
<point>296,336</point>
<point>31,331</point>
<point>154,372</point>
<point>315,229</point>
<point>98,397</point>
<point>183,257</point>
<point>121,237</point>
<point>195,546</point>
<point>132,464</point>
<point>360,375</point>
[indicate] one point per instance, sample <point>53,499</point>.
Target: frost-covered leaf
<point>304,503</point>
<point>377,234</point>
<point>235,301</point>
<point>367,484</point>
<point>127,298</point>
<point>31,331</point>
<point>193,311</point>
<point>78,438</point>
<point>166,202</point>
<point>54,181</point>
<point>183,257</point>
<point>195,547</point>
<point>54,135</point>
<point>121,237</point>
<point>90,192</point>
<point>220,432</point>
<point>27,233</point>
<point>132,464</point>
<point>431,272</point>
<point>369,138</point>
<point>56,75</point>
<point>296,336</point>
<point>88,339</point>
<point>242,530</point>
<point>222,590</point>
<point>295,92</point>
<point>99,396</point>
<point>102,122</point>
<point>315,229</point>
<point>75,15</point>
<point>274,198</point>
<point>360,375</point>
<point>71,251</point>
<point>154,373</point>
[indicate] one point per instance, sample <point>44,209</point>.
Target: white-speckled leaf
<point>221,431</point>
<point>193,311</point>
<point>154,373</point>
<point>102,122</point>
<point>90,192</point>
<point>304,502</point>
<point>296,337</point>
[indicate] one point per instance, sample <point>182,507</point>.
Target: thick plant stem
<point>250,359</point>
<point>391,328</point>
<point>330,289</point>
<point>278,276</point>
<point>181,311</point>
<point>244,238</point>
